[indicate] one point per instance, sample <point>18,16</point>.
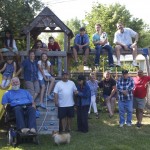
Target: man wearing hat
<point>63,96</point>
<point>125,86</point>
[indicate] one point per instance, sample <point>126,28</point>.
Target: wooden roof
<point>46,18</point>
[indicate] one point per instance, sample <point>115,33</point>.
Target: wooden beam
<point>92,52</point>
<point>28,41</point>
<point>52,31</point>
<point>65,49</point>
<point>49,53</point>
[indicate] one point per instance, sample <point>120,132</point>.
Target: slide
<point>1,95</point>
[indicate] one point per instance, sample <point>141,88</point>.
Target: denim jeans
<point>125,107</point>
<point>25,117</point>
<point>99,50</point>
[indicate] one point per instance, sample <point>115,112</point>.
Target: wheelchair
<point>15,137</point>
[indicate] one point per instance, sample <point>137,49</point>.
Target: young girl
<point>9,69</point>
<point>45,76</point>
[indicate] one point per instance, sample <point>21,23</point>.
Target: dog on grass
<point>63,138</point>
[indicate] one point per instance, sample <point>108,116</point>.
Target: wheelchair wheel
<point>36,140</point>
<point>12,139</point>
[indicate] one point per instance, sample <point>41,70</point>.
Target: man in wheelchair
<point>22,105</point>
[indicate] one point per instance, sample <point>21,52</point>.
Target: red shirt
<point>140,89</point>
<point>54,46</point>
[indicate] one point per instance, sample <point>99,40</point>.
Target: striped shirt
<point>125,84</point>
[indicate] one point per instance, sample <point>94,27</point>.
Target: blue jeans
<point>25,117</point>
<point>99,50</point>
<point>125,107</point>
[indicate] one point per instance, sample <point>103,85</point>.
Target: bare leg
<point>139,115</point>
<point>108,103</point>
<point>64,123</point>
<point>42,93</point>
<point>75,54</point>
<point>117,49</point>
<point>134,52</point>
<point>52,80</point>
<point>113,104</point>
<point>69,120</point>
<point>35,96</point>
<point>86,55</point>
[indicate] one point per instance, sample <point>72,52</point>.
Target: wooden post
<point>65,49</point>
<point>59,66</point>
<point>28,41</point>
<point>147,65</point>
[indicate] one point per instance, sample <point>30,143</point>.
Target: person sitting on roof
<point>81,41</point>
<point>123,40</point>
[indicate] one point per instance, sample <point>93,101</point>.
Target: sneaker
<point>121,125</point>
<point>134,64</point>
<point>129,124</point>
<point>51,96</point>
<point>138,125</point>
<point>118,64</point>
<point>111,65</point>
<point>85,63</point>
<point>25,130</point>
<point>97,116</point>
<point>32,130</point>
<point>42,105</point>
<point>96,65</point>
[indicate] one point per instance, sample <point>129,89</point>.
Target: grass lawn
<point>104,134</point>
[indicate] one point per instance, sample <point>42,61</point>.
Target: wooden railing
<point>60,54</point>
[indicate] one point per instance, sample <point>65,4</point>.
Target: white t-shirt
<point>65,91</point>
<point>40,76</point>
<point>125,37</point>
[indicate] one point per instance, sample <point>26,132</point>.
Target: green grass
<point>104,134</point>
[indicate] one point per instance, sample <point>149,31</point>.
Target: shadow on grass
<point>104,134</point>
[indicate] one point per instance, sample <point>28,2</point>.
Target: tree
<point>108,16</point>
<point>16,14</point>
<point>74,24</point>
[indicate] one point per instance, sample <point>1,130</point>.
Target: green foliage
<point>16,14</point>
<point>74,24</point>
<point>108,16</point>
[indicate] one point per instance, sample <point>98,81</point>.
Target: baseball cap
<point>81,77</point>
<point>65,72</point>
<point>124,71</point>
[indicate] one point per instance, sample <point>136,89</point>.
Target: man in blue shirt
<point>125,86</point>
<point>22,105</point>
<point>81,41</point>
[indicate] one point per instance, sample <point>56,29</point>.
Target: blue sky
<point>67,9</point>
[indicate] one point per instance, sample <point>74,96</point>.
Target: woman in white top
<point>45,76</point>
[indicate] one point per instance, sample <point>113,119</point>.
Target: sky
<point>67,9</point>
